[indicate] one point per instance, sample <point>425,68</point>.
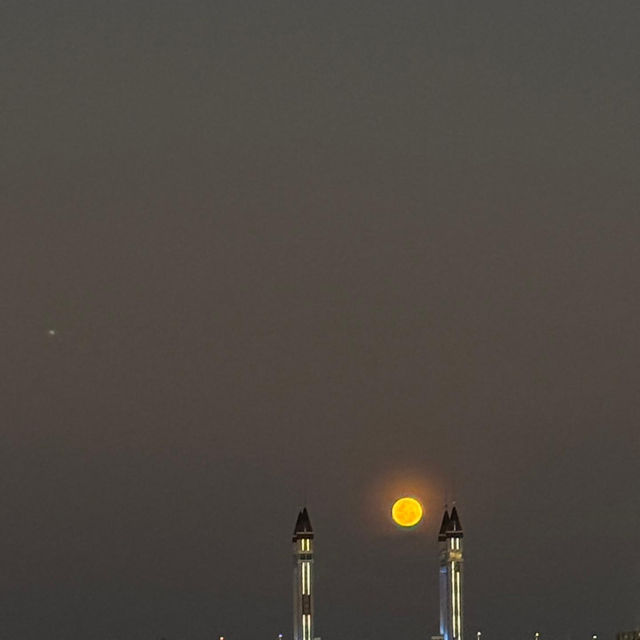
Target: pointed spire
<point>455,528</point>
<point>303,528</point>
<point>444,527</point>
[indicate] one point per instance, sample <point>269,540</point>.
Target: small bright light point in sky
<point>52,332</point>
<point>407,512</point>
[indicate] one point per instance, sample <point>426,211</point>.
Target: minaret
<point>451,611</point>
<point>303,578</point>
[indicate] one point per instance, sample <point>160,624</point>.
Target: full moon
<point>406,512</point>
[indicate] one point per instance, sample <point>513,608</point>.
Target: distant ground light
<point>407,512</point>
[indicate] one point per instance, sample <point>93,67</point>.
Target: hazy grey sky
<point>327,251</point>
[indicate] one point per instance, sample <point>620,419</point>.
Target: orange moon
<point>406,512</point>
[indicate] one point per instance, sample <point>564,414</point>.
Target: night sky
<point>255,254</point>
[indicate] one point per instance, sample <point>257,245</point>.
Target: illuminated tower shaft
<point>451,608</point>
<point>303,578</point>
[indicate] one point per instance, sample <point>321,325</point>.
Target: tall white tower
<point>303,611</point>
<point>451,609</point>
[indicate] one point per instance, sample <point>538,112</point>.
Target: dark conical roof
<point>444,527</point>
<point>303,528</point>
<point>455,528</point>
<point>450,527</point>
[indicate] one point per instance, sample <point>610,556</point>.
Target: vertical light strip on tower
<point>303,610</point>
<point>451,608</point>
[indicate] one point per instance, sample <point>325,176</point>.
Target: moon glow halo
<point>406,512</point>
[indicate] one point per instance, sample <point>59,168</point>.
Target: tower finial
<point>303,528</point>
<point>444,527</point>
